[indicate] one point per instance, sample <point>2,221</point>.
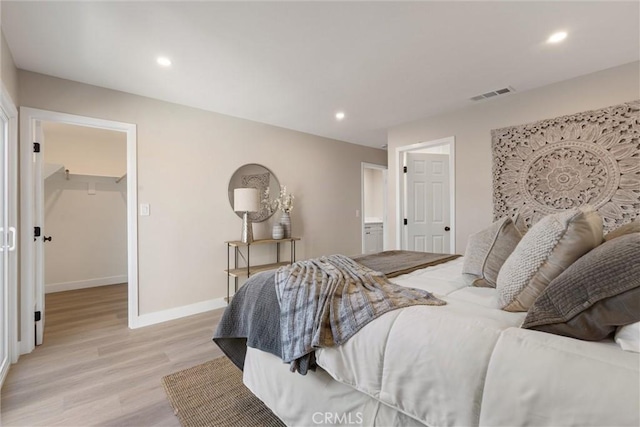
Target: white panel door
<point>4,247</point>
<point>8,253</point>
<point>8,237</point>
<point>428,207</point>
<point>38,264</point>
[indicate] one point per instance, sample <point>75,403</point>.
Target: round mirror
<point>256,176</point>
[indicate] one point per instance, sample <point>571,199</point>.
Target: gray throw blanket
<point>252,319</point>
<point>396,263</point>
<point>253,315</point>
<point>325,301</point>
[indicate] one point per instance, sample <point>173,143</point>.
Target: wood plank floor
<point>93,370</point>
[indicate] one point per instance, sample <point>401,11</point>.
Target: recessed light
<point>557,37</point>
<point>163,61</point>
<point>340,115</point>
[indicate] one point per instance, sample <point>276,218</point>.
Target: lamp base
<point>247,229</point>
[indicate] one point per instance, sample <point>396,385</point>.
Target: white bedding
<point>427,361</point>
<point>542,379</point>
<point>466,363</point>
<point>314,399</point>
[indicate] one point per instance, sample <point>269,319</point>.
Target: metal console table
<point>250,270</point>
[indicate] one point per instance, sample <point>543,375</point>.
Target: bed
<point>464,363</point>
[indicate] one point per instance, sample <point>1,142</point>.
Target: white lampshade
<point>246,200</point>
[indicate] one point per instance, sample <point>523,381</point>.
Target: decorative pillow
<point>628,337</point>
<point>488,249</point>
<point>632,227</point>
<point>519,223</point>
<point>594,296</point>
<point>548,248</point>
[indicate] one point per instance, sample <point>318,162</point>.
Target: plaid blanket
<point>325,301</point>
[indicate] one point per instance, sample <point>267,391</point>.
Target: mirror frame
<point>249,175</point>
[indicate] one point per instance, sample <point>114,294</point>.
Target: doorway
<point>373,207</point>
<point>426,196</point>
<point>35,125</point>
<point>85,207</point>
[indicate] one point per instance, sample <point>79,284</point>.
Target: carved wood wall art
<point>586,158</point>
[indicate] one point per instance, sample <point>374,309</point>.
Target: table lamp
<point>246,200</point>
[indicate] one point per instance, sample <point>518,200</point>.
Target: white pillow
<point>628,337</point>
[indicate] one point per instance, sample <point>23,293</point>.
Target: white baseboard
<point>178,312</point>
<point>81,284</point>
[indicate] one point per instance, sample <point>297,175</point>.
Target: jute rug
<point>212,394</point>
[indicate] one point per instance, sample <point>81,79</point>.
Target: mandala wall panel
<point>586,158</point>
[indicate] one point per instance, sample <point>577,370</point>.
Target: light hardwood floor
<point>93,370</point>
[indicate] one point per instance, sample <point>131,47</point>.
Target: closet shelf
<point>51,169</point>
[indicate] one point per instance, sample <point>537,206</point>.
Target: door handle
<point>12,245</point>
<point>46,239</point>
<point>447,228</point>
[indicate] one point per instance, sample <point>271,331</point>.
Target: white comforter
<point>468,363</point>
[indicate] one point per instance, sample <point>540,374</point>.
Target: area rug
<point>212,394</point>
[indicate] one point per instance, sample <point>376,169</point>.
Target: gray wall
<point>472,127</point>
<point>185,159</point>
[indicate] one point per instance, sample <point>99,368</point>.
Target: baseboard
<point>81,284</point>
<point>178,312</point>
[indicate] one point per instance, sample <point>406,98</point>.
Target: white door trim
<point>11,315</point>
<point>400,151</point>
<point>28,116</point>
<point>384,169</point>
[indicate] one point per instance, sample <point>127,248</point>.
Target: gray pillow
<point>598,293</point>
<point>488,249</point>
<point>548,248</point>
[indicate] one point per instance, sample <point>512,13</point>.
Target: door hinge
<point>36,147</point>
<point>36,231</point>
<point>404,169</point>
<point>406,222</point>
<point>38,316</point>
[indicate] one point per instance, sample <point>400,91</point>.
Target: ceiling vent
<point>493,93</point>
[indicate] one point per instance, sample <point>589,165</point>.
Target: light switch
<point>357,213</point>
<point>145,209</point>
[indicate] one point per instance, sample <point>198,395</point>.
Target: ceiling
<point>295,64</point>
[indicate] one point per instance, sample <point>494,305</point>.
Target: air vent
<point>493,93</point>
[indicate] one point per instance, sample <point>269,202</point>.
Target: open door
<point>32,214</point>
<point>38,232</point>
<point>373,207</point>
<point>428,204</point>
